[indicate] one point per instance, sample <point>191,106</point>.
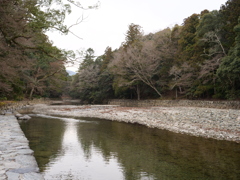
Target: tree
<point>23,44</point>
<point>133,35</point>
<point>229,69</point>
<point>93,82</point>
<point>188,49</point>
<point>137,63</point>
<point>88,59</point>
<point>132,38</point>
<point>230,13</point>
<point>89,83</point>
<point>183,78</point>
<point>106,58</point>
<point>209,32</point>
<point>41,69</point>
<point>12,28</point>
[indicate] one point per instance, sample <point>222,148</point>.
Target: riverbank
<point>221,124</point>
<point>16,158</point>
<point>11,106</point>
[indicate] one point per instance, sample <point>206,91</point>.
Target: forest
<point>199,59</point>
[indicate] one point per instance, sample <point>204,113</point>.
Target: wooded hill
<point>198,59</point>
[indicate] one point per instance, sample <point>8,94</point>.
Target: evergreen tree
<point>229,70</point>
<point>230,12</point>
<point>88,59</point>
<point>188,47</point>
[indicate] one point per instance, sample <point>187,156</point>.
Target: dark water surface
<point>95,149</point>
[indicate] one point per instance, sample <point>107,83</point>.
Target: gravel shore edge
<point>221,124</point>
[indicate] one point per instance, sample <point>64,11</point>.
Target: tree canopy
<point>30,64</point>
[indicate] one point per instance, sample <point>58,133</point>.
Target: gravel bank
<point>16,158</point>
<point>222,124</point>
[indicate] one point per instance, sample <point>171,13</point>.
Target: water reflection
<point>146,153</point>
<point>45,137</point>
<point>73,162</point>
<point>99,149</point>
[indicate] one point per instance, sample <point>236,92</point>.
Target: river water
<point>96,149</point>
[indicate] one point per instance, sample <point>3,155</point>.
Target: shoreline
<point>220,124</point>
<point>16,157</point>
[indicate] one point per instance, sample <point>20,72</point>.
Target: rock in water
<point>25,117</point>
<point>18,115</point>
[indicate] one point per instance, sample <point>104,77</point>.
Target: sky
<point>108,24</point>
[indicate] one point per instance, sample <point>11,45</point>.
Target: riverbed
<point>97,149</point>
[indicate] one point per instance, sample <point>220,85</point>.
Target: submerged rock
<point>18,115</point>
<point>25,117</point>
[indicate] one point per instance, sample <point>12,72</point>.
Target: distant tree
<point>175,36</point>
<point>166,47</point>
<point>146,62</point>
<point>137,65</point>
<point>133,35</point>
<point>89,83</point>
<point>230,12</point>
<point>107,57</point>
<point>183,78</point>
<point>93,83</point>
<point>40,71</point>
<point>188,48</point>
<point>88,59</point>
<point>229,70</point>
<point>132,38</point>
<point>209,32</point>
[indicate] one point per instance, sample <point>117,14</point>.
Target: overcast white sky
<point>107,25</point>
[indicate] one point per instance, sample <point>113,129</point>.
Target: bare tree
<point>37,78</point>
<point>214,39</point>
<point>137,63</point>
<point>183,77</point>
<point>88,77</point>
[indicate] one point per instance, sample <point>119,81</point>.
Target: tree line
<point>198,59</point>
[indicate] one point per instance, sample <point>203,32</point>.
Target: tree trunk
<point>156,91</point>
<point>31,93</point>
<point>138,92</point>
<point>176,94</point>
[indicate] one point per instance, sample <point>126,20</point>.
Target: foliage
<point>230,12</point>
<point>29,63</point>
<point>188,49</point>
<point>229,70</point>
<point>93,83</point>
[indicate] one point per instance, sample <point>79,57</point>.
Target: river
<point>96,149</point>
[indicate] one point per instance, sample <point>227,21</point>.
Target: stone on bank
<point>16,158</point>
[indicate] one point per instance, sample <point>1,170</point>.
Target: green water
<point>94,149</point>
